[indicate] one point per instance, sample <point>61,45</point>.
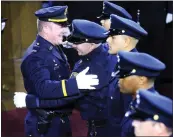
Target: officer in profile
<point>46,75</point>
<point>111,8</point>
<point>136,71</point>
<point>152,114</point>
<point>124,35</point>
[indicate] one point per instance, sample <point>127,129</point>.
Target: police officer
<point>124,35</point>
<point>3,23</point>
<point>136,71</point>
<point>152,114</point>
<point>111,8</point>
<point>45,72</point>
<point>92,106</point>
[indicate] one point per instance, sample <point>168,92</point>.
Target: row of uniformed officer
<point>125,34</point>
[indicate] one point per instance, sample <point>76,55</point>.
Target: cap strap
<point>57,20</point>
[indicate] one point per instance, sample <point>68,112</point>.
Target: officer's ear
<point>127,40</point>
<point>46,26</point>
<point>92,45</point>
<point>160,128</point>
<point>142,80</point>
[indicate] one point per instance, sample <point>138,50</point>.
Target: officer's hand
<point>86,81</point>
<point>19,99</point>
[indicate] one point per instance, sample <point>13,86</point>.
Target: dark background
<point>152,18</point>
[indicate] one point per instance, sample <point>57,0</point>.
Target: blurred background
<point>20,31</point>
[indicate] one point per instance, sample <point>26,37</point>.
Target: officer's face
<point>148,128</point>
<point>56,32</point>
<point>129,85</point>
<point>116,43</point>
<point>106,23</point>
<point>83,48</point>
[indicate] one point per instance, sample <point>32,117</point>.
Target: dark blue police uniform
<point>140,64</point>
<point>121,26</point>
<point>155,107</point>
<point>45,70</point>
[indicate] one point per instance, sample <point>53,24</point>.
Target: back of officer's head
<point>152,114</point>
<point>51,22</point>
<point>111,8</point>
<point>86,36</point>
<point>124,34</point>
<point>137,70</point>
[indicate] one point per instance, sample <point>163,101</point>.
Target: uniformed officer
<point>136,71</point>
<point>152,114</point>
<point>87,38</point>
<point>124,35</point>
<point>3,23</point>
<point>45,72</point>
<point>108,9</point>
<point>111,8</point>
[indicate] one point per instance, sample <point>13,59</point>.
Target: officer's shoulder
<point>33,58</point>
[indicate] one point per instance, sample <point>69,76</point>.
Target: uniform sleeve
<point>38,74</point>
<point>34,102</point>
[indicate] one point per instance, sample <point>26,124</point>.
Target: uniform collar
<point>134,50</point>
<point>152,89</point>
<point>46,45</point>
<point>40,41</point>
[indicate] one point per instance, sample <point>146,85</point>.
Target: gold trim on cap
<point>57,20</point>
